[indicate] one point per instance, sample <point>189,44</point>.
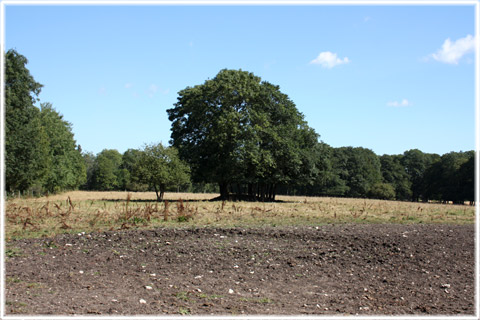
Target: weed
<point>184,211</point>
<point>13,252</point>
<point>13,280</point>
<point>165,211</point>
<point>34,285</point>
<point>50,244</point>
<point>182,295</point>
<point>183,311</point>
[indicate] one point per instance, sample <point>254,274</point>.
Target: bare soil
<point>332,269</point>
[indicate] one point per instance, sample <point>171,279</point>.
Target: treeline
<point>341,172</point>
<point>233,134</point>
<point>153,168</point>
<point>40,152</point>
<point>411,176</point>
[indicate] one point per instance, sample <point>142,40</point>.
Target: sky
<point>389,78</point>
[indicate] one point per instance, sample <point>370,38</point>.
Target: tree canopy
<point>40,151</point>
<point>236,129</point>
<point>160,168</point>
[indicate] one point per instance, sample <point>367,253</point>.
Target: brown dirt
<point>332,269</point>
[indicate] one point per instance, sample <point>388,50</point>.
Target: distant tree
<point>90,161</point>
<point>106,170</point>
<point>235,129</point>
<point>161,168</point>
<point>448,178</point>
<point>416,163</point>
<point>393,173</point>
<point>130,158</point>
<point>466,177</point>
<point>25,143</point>
<point>358,168</point>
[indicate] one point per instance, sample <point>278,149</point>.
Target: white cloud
<point>128,85</point>
<point>152,89</point>
<point>403,103</point>
<point>329,60</point>
<point>452,52</point>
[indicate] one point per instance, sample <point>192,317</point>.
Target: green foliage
<point>66,169</point>
<point>130,159</point>
<point>237,129</point>
<point>416,163</point>
<point>106,170</point>
<point>451,178</point>
<point>161,168</point>
<point>393,173</point>
<point>24,139</point>
<point>90,162</point>
<point>383,191</point>
<point>357,168</point>
<point>40,152</point>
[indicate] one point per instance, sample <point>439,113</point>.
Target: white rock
<point>230,291</point>
<point>198,277</point>
<point>68,244</point>
<point>153,275</point>
<point>81,271</point>
<point>148,288</point>
<point>142,301</point>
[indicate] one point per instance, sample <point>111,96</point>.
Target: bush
<point>383,191</point>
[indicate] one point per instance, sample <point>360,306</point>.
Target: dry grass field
<point>81,211</point>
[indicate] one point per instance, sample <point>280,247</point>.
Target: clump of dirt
<point>331,269</point>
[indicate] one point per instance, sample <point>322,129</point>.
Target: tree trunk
<point>250,190</point>
<point>223,190</point>
<point>159,193</point>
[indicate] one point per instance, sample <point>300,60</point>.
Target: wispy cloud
<point>102,91</point>
<point>128,85</point>
<point>329,60</point>
<point>452,52</point>
<point>366,19</point>
<point>153,89</point>
<point>403,103</point>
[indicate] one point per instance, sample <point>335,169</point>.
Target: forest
<point>234,134</point>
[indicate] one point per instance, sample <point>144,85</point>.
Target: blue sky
<point>387,78</point>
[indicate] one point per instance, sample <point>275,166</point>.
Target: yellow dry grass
<point>81,211</point>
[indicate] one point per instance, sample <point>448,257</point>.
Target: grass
<point>81,211</point>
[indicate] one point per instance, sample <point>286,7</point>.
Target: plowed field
<point>367,269</point>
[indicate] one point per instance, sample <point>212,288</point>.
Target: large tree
<point>25,154</point>
<point>236,129</point>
